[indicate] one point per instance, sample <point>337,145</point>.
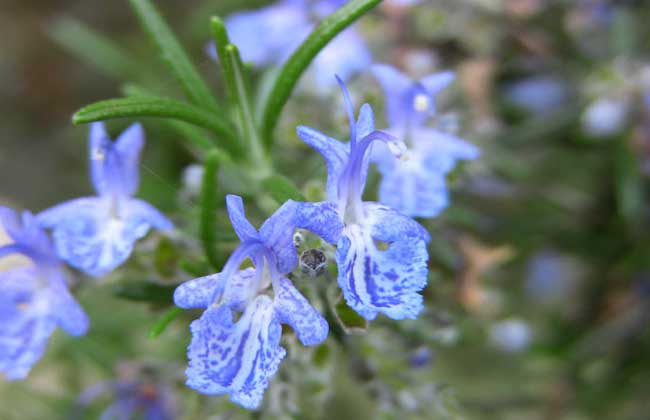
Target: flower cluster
<point>92,234</point>
<point>381,254</point>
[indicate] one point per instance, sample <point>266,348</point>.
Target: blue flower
<point>238,357</point>
<point>269,35</point>
<point>133,398</point>
<point>415,185</point>
<point>34,298</point>
<point>381,253</point>
<point>96,234</point>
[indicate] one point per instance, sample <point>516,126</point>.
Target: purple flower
<point>381,253</point>
<point>34,297</point>
<point>238,357</point>
<point>415,185</point>
<point>96,234</point>
<point>268,36</point>
<point>132,399</point>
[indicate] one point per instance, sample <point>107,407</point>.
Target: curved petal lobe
<point>296,311</point>
<point>235,358</point>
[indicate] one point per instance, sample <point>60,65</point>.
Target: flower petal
<point>65,309</point>
<point>383,281</point>
<point>129,146</point>
<point>139,212</point>
<point>321,218</point>
<point>436,82</point>
<point>414,190</point>
<point>88,238</point>
<point>439,151</point>
<point>198,293</point>
<point>242,226</point>
<point>235,358</point>
<point>293,309</point>
<point>335,154</point>
<point>284,26</point>
<point>277,234</point>
<point>396,86</point>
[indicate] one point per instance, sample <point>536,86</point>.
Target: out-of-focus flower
<point>421,357</point>
<point>415,184</point>
<point>511,335</point>
<point>605,117</point>
<point>238,357</point>
<point>552,277</point>
<point>537,94</point>
<point>381,253</point>
<point>97,234</point>
<point>269,35</point>
<point>131,399</point>
<point>34,297</point>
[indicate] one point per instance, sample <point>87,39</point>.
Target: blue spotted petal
<point>235,358</point>
<point>335,154</point>
<point>242,226</point>
<point>322,219</point>
<point>293,309</point>
<point>413,189</point>
<point>204,291</point>
<point>383,281</point>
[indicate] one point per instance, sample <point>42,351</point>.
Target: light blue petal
<point>99,145</point>
<point>277,235</point>
<point>414,190</point>
<point>240,290</point>
<point>9,222</point>
<point>242,226</point>
<point>293,309</point>
<point>137,212</point>
<point>25,324</point>
<point>129,146</point>
<point>383,281</point>
<point>199,292</point>
<point>346,55</point>
<point>439,151</point>
<point>65,309</point>
<point>322,219</point>
<point>87,237</point>
<point>235,358</point>
<point>335,154</point>
<point>435,83</point>
<point>284,26</point>
<point>396,86</point>
<point>366,121</point>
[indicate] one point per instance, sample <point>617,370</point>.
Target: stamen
<point>421,102</point>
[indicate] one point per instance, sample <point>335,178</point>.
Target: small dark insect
<point>313,262</point>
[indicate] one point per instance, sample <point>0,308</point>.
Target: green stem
<point>209,204</point>
<point>300,59</point>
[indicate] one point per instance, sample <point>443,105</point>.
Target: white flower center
<point>421,102</point>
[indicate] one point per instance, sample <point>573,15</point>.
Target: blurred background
<point>538,305</point>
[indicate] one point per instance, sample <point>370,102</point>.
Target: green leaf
<point>282,189</point>
<point>152,106</point>
<point>161,325</point>
<point>300,59</point>
<point>93,48</point>
<point>165,258</point>
<point>173,54</point>
<point>209,203</point>
<point>221,40</point>
<point>630,193</point>
<point>195,136</point>
<point>144,291</point>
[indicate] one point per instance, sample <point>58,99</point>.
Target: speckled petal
<point>322,219</point>
<point>383,281</point>
<point>65,309</point>
<point>293,309</point>
<point>235,358</point>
